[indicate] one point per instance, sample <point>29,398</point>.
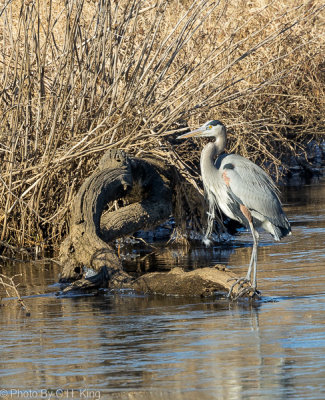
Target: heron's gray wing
<point>252,187</point>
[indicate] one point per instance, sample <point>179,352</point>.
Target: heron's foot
<point>242,290</point>
<point>240,281</point>
<point>250,291</point>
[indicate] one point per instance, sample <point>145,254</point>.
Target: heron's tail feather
<point>280,232</point>
<point>277,230</point>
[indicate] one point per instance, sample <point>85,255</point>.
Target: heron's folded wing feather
<point>253,187</point>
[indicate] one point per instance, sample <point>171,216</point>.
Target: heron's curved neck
<point>213,149</point>
<point>220,142</point>
<point>209,154</point>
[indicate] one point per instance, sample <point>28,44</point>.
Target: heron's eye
<point>210,127</point>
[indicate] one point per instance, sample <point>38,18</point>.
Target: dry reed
<point>78,78</point>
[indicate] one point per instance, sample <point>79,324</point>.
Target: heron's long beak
<point>196,132</point>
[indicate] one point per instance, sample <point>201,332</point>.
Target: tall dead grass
<point>78,78</point>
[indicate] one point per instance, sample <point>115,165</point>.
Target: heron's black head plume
<point>215,122</point>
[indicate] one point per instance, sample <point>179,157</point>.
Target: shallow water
<point>147,347</point>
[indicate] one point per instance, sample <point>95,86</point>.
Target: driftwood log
<point>146,189</point>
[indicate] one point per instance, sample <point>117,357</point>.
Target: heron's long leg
<point>252,264</point>
<point>255,247</point>
<point>253,260</point>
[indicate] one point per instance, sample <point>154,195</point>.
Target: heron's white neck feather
<point>208,170</point>
<point>208,156</point>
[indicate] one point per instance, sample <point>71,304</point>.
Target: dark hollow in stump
<point>147,187</point>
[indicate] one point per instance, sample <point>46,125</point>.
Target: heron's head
<point>209,129</point>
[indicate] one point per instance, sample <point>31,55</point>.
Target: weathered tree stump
<point>89,261</point>
<point>117,177</point>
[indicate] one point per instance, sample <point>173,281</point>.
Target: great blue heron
<point>243,191</point>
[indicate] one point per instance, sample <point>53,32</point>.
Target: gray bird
<point>243,191</point>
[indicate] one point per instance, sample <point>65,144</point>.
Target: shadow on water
<point>143,347</point>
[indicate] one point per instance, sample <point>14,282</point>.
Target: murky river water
<point>137,347</point>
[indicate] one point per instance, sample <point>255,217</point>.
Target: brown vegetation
<point>79,78</point>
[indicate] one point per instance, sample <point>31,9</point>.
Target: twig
<point>11,285</point>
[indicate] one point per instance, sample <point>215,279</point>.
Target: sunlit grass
<point>78,78</point>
